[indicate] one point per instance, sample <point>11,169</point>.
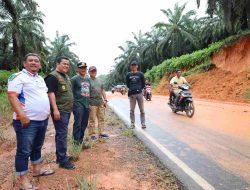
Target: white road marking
<point>196,177</point>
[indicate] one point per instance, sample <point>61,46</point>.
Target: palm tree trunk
<point>247,8</point>
<point>17,50</point>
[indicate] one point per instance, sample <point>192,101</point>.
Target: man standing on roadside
<point>98,103</point>
<point>135,83</point>
<point>81,89</point>
<point>61,101</point>
<point>27,93</point>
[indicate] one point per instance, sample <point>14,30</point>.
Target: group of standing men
<point>33,99</point>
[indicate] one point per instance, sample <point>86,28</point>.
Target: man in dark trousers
<point>135,83</point>
<point>81,91</point>
<point>61,102</point>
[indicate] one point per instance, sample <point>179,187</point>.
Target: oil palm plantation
<point>149,55</point>
<point>20,29</point>
<point>179,32</point>
<point>235,12</point>
<point>60,46</point>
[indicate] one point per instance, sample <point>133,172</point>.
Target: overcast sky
<point>98,27</point>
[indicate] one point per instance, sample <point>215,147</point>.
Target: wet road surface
<point>214,145</point>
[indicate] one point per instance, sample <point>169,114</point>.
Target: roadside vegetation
<point>180,34</point>
<point>247,94</point>
<point>198,61</point>
<point>183,40</point>
<point>5,109</point>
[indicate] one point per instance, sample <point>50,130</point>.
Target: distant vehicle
<point>147,92</point>
<point>119,88</point>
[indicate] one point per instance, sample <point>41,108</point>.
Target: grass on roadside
<point>5,108</point>
<point>5,114</point>
<point>247,94</point>
<point>128,133</point>
<point>87,183</point>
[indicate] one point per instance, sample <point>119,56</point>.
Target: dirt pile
<point>234,58</point>
<point>229,81</point>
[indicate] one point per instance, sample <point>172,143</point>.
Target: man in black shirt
<point>61,101</point>
<point>135,83</point>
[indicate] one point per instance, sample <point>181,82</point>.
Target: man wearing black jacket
<point>135,83</point>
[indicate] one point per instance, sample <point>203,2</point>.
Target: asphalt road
<point>209,151</point>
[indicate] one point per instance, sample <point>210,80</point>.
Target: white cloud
<point>98,27</point>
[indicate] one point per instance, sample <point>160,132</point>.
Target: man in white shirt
<point>27,93</point>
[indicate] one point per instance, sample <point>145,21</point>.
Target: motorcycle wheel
<point>149,98</point>
<point>190,109</point>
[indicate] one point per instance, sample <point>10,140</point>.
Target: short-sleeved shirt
<point>178,81</point>
<point>96,92</point>
<point>32,96</point>
<point>52,83</point>
<point>135,82</point>
<point>81,90</point>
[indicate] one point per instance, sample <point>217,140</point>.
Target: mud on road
<point>119,163</point>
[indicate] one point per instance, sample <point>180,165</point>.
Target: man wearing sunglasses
<point>136,82</point>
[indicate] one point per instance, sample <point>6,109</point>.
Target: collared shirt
<point>178,81</point>
<point>32,94</point>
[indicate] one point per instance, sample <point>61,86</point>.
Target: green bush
<point>189,61</point>
<point>200,69</point>
<point>247,94</point>
<point>5,108</point>
<point>4,75</point>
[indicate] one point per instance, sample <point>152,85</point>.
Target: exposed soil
<point>215,85</point>
<point>229,81</point>
<point>121,162</point>
<point>234,58</point>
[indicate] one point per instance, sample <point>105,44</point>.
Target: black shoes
<point>132,126</point>
<point>67,165</point>
<point>70,159</point>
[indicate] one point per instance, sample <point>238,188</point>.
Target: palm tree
<point>149,54</point>
<point>234,12</point>
<point>211,29</point>
<point>21,27</point>
<point>60,46</point>
<point>179,35</point>
<point>135,48</point>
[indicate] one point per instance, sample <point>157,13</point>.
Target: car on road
<point>119,88</point>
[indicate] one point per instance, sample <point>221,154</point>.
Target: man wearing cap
<point>81,90</point>
<point>98,103</point>
<point>61,103</point>
<point>135,83</point>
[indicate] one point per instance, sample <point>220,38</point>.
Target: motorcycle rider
<point>146,84</point>
<point>174,83</point>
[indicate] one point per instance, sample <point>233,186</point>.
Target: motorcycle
<point>185,102</point>
<point>147,93</point>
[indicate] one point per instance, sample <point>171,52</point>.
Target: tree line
<point>182,33</point>
<point>21,32</point>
